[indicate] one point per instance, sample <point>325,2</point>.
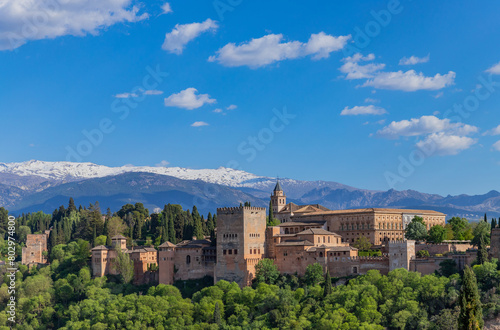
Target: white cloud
<point>218,110</point>
<point>370,100</point>
<point>496,146</point>
<point>126,95</point>
<point>321,45</point>
<point>182,34</point>
<point>443,144</point>
<point>363,110</point>
<point>495,69</point>
<point>354,70</point>
<point>424,125</point>
<point>143,92</point>
<point>166,8</point>
<point>438,95</point>
<point>188,99</point>
<point>163,163</point>
<point>232,107</point>
<point>153,92</point>
<point>199,124</point>
<point>271,48</point>
<point>412,60</point>
<point>25,20</point>
<point>493,131</point>
<point>410,81</point>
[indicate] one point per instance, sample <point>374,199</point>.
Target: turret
<point>278,198</point>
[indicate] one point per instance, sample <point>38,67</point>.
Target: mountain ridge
<point>27,185</point>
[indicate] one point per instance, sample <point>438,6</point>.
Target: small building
<point>33,252</point>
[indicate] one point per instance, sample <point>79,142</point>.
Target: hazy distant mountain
<point>38,185</point>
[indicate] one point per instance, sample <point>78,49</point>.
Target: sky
<point>373,94</point>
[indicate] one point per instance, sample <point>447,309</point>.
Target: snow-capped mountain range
<point>68,171</point>
<point>38,185</point>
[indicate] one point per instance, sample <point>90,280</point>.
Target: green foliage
<point>416,230</point>
<point>362,243</point>
<point>461,228</point>
<point>437,234</point>
<point>423,254</point>
<point>470,316</point>
<point>480,232</point>
<point>482,252</point>
<point>314,274</point>
<point>124,266</point>
<point>448,267</point>
<point>266,272</point>
<point>328,284</point>
<point>101,240</point>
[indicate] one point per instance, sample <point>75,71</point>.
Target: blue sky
<point>377,95</point>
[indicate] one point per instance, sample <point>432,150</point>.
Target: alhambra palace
<point>307,234</point>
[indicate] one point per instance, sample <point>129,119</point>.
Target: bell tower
<point>278,198</point>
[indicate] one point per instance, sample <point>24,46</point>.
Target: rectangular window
<point>224,252</point>
<point>235,251</point>
<point>230,251</point>
<point>250,251</point>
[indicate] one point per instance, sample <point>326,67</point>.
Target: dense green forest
<point>63,294</point>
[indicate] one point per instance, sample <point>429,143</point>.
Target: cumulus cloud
<point>163,163</point>
<point>363,110</point>
<point>496,146</point>
<point>188,99</point>
<point>218,110</point>
<point>166,8</point>
<point>153,92</point>
<point>177,39</point>
<point>26,20</point>
<point>199,124</point>
<point>271,48</point>
<point>424,125</point>
<point>137,93</point>
<point>493,131</point>
<point>232,107</point>
<point>410,81</point>
<point>354,70</point>
<point>412,60</point>
<point>443,144</point>
<point>126,95</point>
<point>495,69</point>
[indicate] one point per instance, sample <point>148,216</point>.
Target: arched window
<point>188,259</point>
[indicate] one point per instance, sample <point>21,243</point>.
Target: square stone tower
<point>166,266</point>
<point>241,236</point>
<point>400,254</point>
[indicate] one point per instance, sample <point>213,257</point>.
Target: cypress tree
<point>53,237</point>
<point>485,218</point>
<point>217,314</point>
<point>71,206</point>
<point>471,315</point>
<point>482,253</point>
<point>493,223</point>
<point>171,231</point>
<point>328,284</point>
<point>94,236</point>
<point>271,214</point>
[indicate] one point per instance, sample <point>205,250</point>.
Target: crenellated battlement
<point>399,243</point>
<point>239,209</point>
<point>384,258</point>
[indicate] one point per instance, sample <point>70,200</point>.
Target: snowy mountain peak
<point>69,171</point>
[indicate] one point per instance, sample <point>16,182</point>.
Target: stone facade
<point>307,234</point>
<point>241,238</point>
<point>32,253</point>
<point>495,243</point>
<point>144,258</point>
